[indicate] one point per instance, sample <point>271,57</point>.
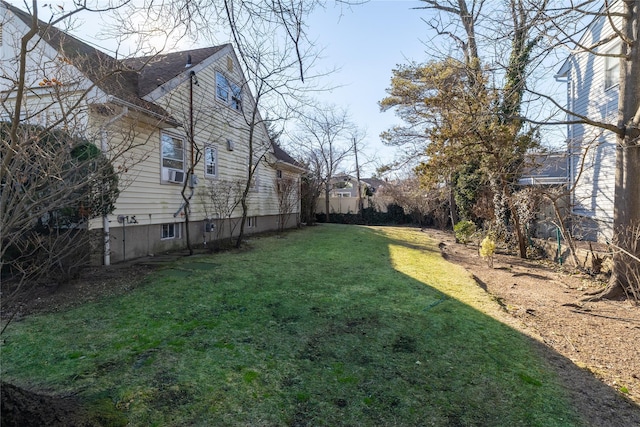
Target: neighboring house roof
<point>157,70</point>
<point>546,169</point>
<point>283,156</point>
<point>109,74</point>
<point>342,177</point>
<point>374,183</point>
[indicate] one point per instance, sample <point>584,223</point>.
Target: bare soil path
<point>594,346</point>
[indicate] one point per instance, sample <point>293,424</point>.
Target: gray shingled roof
<point>546,169</point>
<point>109,74</point>
<point>283,156</point>
<point>129,79</point>
<point>156,70</point>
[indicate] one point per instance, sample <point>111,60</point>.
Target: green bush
<point>464,231</point>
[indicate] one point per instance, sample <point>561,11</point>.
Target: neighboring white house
<point>150,104</point>
<point>343,197</point>
<point>592,91</point>
<point>546,172</point>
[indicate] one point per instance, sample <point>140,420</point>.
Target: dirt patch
<point>21,408</point>
<point>26,408</point>
<point>93,284</point>
<point>592,345</point>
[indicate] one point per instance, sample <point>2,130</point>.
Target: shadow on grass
<point>592,400</point>
<point>324,333</point>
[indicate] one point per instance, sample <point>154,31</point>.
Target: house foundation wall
<point>140,240</point>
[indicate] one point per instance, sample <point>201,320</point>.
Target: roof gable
<point>110,75</point>
<point>157,70</point>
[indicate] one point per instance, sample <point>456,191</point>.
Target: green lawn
<point>330,325</point>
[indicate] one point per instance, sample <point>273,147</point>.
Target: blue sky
<point>366,42</point>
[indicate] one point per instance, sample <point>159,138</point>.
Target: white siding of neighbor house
<point>592,165</point>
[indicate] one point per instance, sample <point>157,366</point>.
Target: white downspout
<point>104,147</point>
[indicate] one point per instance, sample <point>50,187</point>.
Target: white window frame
<point>208,149</point>
<point>342,194</point>
<point>612,67</point>
<point>165,160</point>
<point>228,92</point>
<point>170,231</point>
<point>252,221</point>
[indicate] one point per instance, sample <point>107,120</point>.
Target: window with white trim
<point>228,92</point>
<point>210,162</point>
<point>172,152</point>
<point>170,231</point>
<point>252,221</point>
<point>612,67</point>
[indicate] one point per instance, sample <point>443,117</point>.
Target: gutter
<point>291,166</point>
<point>165,118</point>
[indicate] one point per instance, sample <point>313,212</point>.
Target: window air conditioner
<point>176,176</point>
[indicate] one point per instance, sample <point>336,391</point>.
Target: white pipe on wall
<point>104,147</point>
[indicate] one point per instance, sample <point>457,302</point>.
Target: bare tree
<point>311,186</point>
<point>418,201</point>
<point>324,135</point>
<point>273,71</point>
<point>221,201</point>
<point>288,190</point>
<point>63,157</point>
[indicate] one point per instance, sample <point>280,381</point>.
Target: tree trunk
<point>245,209</point>
<point>453,207</point>
<point>522,242</point>
<point>627,180</point>
<point>568,239</point>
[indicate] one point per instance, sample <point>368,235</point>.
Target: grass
<point>328,326</point>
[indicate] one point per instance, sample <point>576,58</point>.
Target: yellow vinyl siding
<point>215,122</point>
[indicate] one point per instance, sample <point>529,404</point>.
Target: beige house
<point>344,196</point>
<point>158,118</point>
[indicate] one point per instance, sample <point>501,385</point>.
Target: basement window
<point>170,231</point>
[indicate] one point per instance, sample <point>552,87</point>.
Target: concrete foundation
<point>138,240</point>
